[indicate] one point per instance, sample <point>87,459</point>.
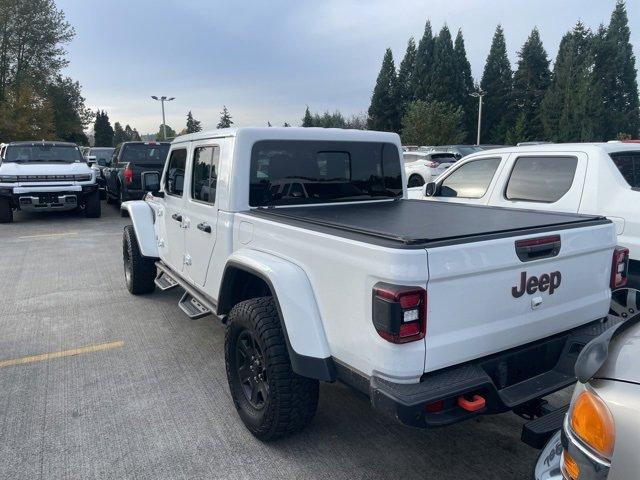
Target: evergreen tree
<point>70,116</point>
<point>307,120</point>
<point>530,83</point>
<point>285,124</point>
<point>136,136</point>
<point>593,127</point>
<point>405,77</point>
<point>443,85</point>
<point>424,60</point>
<point>432,123</point>
<point>496,83</point>
<point>128,133</point>
<point>383,111</point>
<point>225,118</point>
<point>102,130</point>
<point>564,104</point>
<point>622,114</point>
<point>119,134</point>
<point>193,125</point>
<point>465,87</point>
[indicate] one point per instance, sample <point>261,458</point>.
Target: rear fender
<point>296,303</point>
<point>142,216</point>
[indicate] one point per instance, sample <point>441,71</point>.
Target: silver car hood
<point>624,355</point>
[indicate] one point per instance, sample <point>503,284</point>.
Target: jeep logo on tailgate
<point>547,281</point>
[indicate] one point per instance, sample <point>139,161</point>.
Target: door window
<point>205,174</point>
<point>629,165</point>
<point>174,178</point>
<point>541,179</point>
<point>471,180</point>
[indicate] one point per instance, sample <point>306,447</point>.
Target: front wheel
<point>415,181</point>
<point>92,207</point>
<point>6,211</point>
<point>271,399</point>
<point>139,271</point>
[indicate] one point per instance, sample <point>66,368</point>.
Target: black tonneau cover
<point>422,223</point>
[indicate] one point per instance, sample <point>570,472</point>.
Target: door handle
<point>205,227</point>
<point>177,217</point>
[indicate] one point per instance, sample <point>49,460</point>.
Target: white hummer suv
<point>303,242</point>
<point>45,176</point>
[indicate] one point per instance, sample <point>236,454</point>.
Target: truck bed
<point>419,224</point>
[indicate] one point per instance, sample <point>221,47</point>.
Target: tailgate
<point>477,305</point>
<point>138,168</point>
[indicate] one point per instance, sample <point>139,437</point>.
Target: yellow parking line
<point>65,353</point>
<point>49,235</point>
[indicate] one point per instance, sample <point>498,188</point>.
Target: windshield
<point>152,153</point>
<point>469,150</point>
<point>101,153</point>
<point>42,153</point>
<point>629,165</point>
<point>288,172</point>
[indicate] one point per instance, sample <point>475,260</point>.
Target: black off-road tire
<point>139,271</point>
<point>292,400</point>
<point>6,211</point>
<point>92,207</point>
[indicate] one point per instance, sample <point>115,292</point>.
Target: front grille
<point>55,178</point>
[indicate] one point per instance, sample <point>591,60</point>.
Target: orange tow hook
<point>473,405</point>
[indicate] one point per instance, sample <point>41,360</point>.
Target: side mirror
<point>151,182</point>
<point>430,189</point>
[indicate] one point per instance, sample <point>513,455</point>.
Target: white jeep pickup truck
<point>438,312</point>
<point>46,176</point>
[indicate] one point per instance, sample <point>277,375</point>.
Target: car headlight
<point>593,424</point>
<point>8,178</point>
<point>84,177</point>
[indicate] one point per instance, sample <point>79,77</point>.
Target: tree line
<point>591,94</point>
<point>36,100</point>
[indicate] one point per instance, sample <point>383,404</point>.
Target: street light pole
<point>164,123</point>
<point>479,94</point>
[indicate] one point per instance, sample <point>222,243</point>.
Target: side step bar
<point>536,433</point>
<point>164,281</point>
<point>192,302</point>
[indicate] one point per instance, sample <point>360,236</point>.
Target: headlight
<point>84,177</point>
<point>8,178</point>
<point>592,422</point>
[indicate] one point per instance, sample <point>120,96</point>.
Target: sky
<point>268,60</point>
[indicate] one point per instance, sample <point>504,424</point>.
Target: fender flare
<point>143,217</point>
<point>293,294</point>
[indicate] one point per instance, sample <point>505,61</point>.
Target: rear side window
<point>289,172</point>
<point>205,174</point>
<point>144,153</point>
<point>174,179</point>
<point>541,179</point>
<point>629,165</point>
<point>471,180</point>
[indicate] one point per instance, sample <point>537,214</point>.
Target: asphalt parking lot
<point>96,383</point>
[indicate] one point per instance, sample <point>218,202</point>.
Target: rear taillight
<point>128,175</point>
<point>399,312</point>
<point>619,267</point>
<point>431,164</point>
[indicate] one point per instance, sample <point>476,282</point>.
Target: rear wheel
<point>415,181</point>
<point>6,211</point>
<point>271,399</point>
<point>92,208</point>
<point>139,271</point>
<point>625,302</point>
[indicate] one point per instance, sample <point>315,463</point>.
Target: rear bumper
<point>505,380</point>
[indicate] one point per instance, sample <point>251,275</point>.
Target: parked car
<point>600,434</point>
<point>459,151</point>
<point>129,160</point>
<point>594,179</point>
<point>422,167</point>
<point>333,283</point>
<point>45,176</point>
<point>99,158</point>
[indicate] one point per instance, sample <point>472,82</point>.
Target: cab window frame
<point>215,146</point>
<point>527,156</point>
<point>165,183</point>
